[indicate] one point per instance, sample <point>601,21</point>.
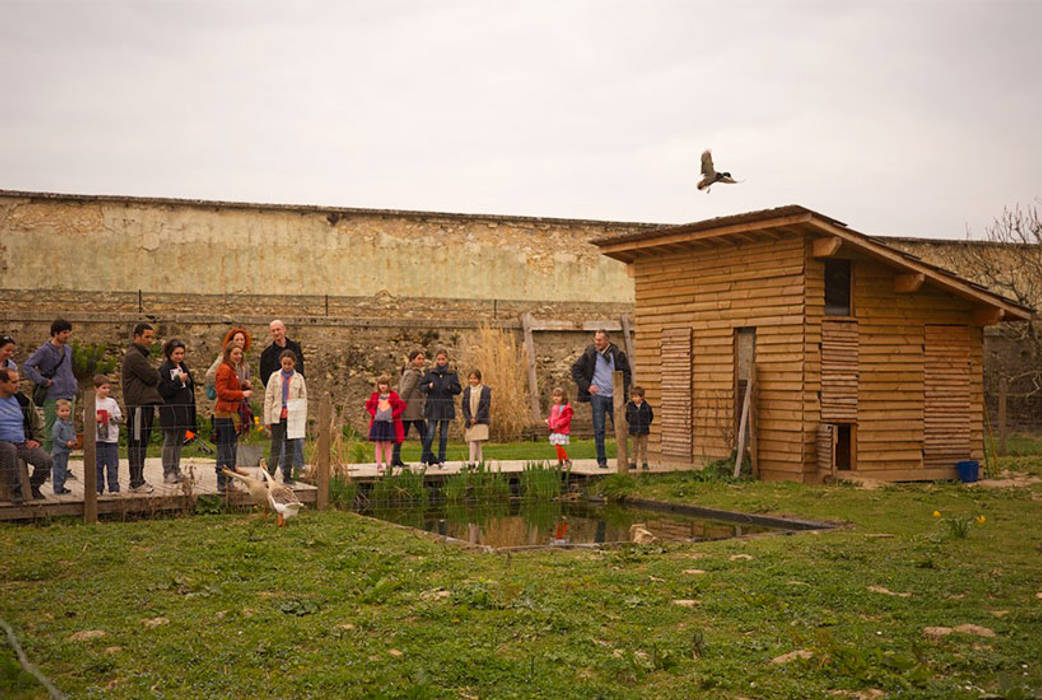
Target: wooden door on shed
<point>676,427</point>
<point>946,400</point>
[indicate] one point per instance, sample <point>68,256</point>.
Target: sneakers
<point>61,492</point>
<point>602,465</point>
<point>143,487</point>
<point>173,478</point>
<point>37,493</point>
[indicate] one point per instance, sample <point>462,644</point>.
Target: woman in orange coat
<point>227,417</point>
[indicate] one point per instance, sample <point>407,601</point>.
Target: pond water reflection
<point>520,524</point>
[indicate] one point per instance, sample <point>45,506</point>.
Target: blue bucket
<point>969,471</point>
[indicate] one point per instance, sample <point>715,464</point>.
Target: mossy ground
<point>337,605</point>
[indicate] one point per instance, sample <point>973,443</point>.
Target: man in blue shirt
<point>51,365</point>
<point>592,373</point>
<point>20,434</point>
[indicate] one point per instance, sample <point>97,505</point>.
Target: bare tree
<point>1010,263</point>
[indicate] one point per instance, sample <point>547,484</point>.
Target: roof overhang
<point>829,236</point>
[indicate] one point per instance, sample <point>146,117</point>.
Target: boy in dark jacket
<point>639,416</point>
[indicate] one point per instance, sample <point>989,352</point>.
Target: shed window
<point>837,288</point>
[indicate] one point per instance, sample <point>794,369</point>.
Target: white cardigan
<point>273,394</point>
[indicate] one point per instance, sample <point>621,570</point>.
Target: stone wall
<point>343,353</point>
<point>124,244</point>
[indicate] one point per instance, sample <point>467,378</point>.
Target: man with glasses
<point>20,434</point>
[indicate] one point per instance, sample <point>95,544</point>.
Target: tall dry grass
<point>504,367</point>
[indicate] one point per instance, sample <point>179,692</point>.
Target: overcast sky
<point>902,118</point>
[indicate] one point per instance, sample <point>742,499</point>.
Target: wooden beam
<point>955,285</point>
<point>325,428</point>
<point>742,426</point>
<point>908,282</point>
<point>987,316</point>
<point>753,388</point>
<point>631,352</point>
<point>618,406</point>
<point>90,469</point>
<point>825,247</point>
<point>625,250</point>
<point>533,385</point>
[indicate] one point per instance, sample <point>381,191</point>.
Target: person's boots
<point>396,456</point>
<point>222,481</point>
<point>287,475</point>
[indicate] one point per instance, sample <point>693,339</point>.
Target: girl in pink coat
<point>385,409</point>
<point>560,424</point>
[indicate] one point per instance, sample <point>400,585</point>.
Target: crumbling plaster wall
<point>170,246</point>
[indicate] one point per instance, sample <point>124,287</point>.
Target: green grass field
<point>337,605</point>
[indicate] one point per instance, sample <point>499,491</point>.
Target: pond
<point>540,523</point>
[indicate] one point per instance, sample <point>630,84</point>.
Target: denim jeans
<point>298,452</point>
<point>60,465</point>
<point>422,430</point>
<point>226,442</point>
<point>602,406</point>
<point>106,460</point>
<point>443,439</point>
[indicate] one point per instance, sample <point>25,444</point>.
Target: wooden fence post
<point>325,412</point>
<point>754,391</point>
<point>1003,389</point>
<point>618,407</point>
<point>533,385</point>
<point>90,471</point>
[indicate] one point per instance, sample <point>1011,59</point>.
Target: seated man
<point>20,434</point>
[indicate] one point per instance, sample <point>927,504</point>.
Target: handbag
<point>40,390</point>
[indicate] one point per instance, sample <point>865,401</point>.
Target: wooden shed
<point>863,358</point>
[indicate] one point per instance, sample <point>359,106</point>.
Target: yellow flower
<point>937,514</point>
<point>981,519</point>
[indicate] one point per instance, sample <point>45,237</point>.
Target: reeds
<point>405,487</point>
<point>540,481</point>
<point>503,364</point>
<point>477,484</point>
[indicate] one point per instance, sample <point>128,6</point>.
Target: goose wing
<point>707,164</point>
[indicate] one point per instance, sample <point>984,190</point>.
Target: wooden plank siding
<point>676,408</point>
<point>891,396</point>
<point>711,292</point>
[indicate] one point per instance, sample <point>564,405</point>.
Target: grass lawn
<point>336,605</point>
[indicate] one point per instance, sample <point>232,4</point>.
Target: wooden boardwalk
<point>203,481</point>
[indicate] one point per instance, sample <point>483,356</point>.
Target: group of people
<point>424,401</point>
<point>170,387</point>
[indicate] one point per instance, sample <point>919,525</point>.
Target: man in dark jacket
<point>141,395</point>
<point>270,363</point>
<point>592,373</point>
<point>20,434</point>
